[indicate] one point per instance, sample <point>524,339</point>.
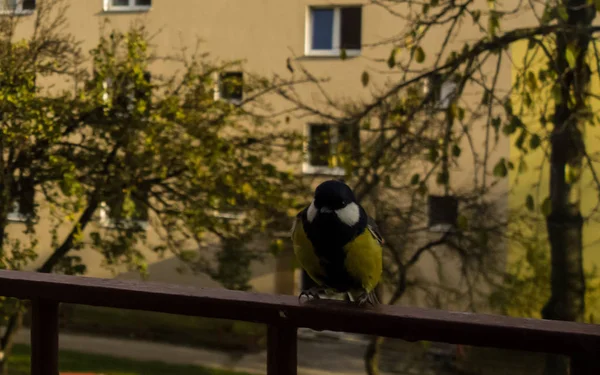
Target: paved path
<point>314,357</point>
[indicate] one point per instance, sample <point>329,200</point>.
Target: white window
<point>230,87</point>
<point>325,146</point>
<point>442,91</point>
<point>443,213</point>
<point>111,214</point>
<point>17,6</point>
<point>127,5</point>
<point>332,29</point>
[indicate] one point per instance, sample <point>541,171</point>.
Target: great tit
<point>338,244</point>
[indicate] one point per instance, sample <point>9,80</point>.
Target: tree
<point>137,148</point>
<point>418,126</point>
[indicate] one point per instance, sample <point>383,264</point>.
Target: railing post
<point>44,337</point>
<point>282,350</point>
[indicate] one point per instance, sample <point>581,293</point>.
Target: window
<point>23,207</point>
<point>17,6</point>
<point>443,213</point>
<point>327,147</point>
<point>113,212</point>
<point>231,87</point>
<point>127,5</point>
<point>442,91</point>
<point>330,30</point>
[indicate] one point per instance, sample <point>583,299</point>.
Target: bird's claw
<point>367,297</point>
<point>312,293</point>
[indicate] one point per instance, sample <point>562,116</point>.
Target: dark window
<point>351,28</point>
<point>443,211</point>
<point>120,3</point>
<point>143,3</point>
<point>334,28</point>
<point>319,145</point>
<point>28,4</point>
<point>232,85</point>
<point>441,91</point>
<point>322,32</point>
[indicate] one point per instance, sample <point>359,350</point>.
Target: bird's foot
<point>367,297</point>
<point>312,293</point>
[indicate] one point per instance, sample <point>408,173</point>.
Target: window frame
<point>439,100</point>
<point>109,7</point>
<point>19,11</point>
<point>336,49</point>
<point>307,167</point>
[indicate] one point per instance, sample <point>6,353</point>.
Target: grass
<point>79,362</point>
<point>226,335</point>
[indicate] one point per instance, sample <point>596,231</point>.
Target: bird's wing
<point>305,251</point>
<point>374,229</point>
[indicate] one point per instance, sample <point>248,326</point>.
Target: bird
<point>338,244</point>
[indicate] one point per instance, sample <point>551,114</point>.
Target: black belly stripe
<point>328,236</point>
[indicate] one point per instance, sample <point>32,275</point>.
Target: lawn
<point>79,362</point>
<point>226,335</point>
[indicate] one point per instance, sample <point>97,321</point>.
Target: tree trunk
<point>565,223</point>
<point>7,341</point>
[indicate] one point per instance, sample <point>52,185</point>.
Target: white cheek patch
<point>349,215</point>
<point>312,212</point>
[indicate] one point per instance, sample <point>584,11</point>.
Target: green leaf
<point>531,81</point>
<point>570,55</point>
<point>461,113</point>
<point>476,15</point>
<point>522,166</point>
<point>561,10</point>
<point>456,150</point>
<point>557,93</point>
<point>415,179</point>
<point>462,222</point>
<point>419,54</point>
<point>529,202</point>
<point>493,23</point>
<point>343,54</point>
<point>387,181</point>
<point>433,154</point>
<point>500,169</point>
<point>597,4</point>
<point>364,78</point>
<point>546,207</point>
<point>534,141</point>
<point>392,59</point>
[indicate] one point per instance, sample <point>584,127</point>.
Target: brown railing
<point>284,314</point>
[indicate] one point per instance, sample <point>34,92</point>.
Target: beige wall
<point>264,33</point>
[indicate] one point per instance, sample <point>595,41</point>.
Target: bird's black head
<point>333,195</point>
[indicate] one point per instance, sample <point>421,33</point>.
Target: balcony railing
<point>284,314</point>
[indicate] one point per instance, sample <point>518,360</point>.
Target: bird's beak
<point>325,210</point>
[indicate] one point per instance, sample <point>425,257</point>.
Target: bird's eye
<point>344,203</point>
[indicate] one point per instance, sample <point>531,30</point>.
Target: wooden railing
<point>284,314</point>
